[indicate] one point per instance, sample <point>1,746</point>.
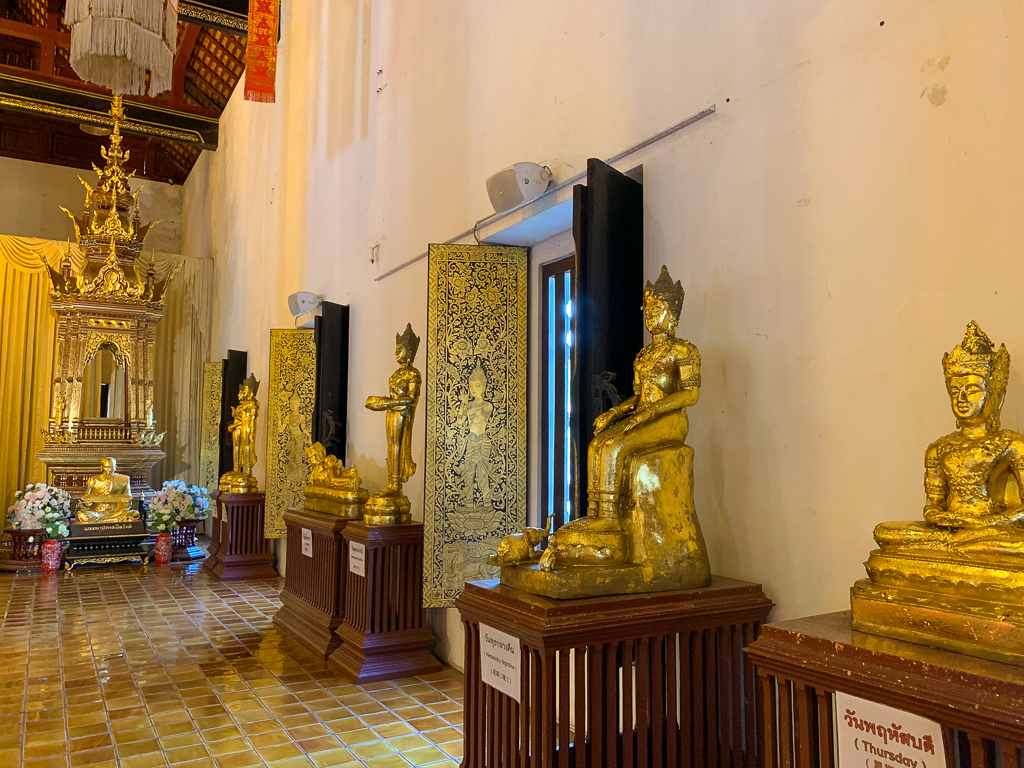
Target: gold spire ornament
<point>641,532</point>
<point>956,579</point>
<point>243,440</point>
<point>390,506</point>
<point>109,305</point>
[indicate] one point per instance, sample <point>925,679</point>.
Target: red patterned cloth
<point>261,51</point>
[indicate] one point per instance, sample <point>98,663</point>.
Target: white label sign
<point>357,558</point>
<point>873,735</point>
<point>499,660</point>
<point>307,542</point>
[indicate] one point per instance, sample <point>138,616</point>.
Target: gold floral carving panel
<point>289,423</point>
<point>209,447</point>
<point>475,484</point>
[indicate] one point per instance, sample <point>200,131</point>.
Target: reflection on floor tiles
<point>144,668</point>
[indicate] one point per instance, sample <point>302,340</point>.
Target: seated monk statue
<point>108,497</point>
<point>332,489</point>
<point>970,546</point>
<point>641,532</point>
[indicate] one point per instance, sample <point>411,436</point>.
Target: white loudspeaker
<point>516,185</point>
<point>302,302</point>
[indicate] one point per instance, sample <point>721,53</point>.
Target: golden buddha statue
<point>956,580</point>
<point>108,497</point>
<point>641,532</point>
<point>243,440</point>
<point>332,489</point>
<point>390,506</point>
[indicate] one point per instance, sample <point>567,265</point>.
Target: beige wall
<point>31,195</point>
<point>851,206</point>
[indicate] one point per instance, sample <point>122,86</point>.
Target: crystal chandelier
<point>114,43</point>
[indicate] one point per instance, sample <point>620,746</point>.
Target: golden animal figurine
<point>332,489</point>
<point>956,580</point>
<point>390,506</point>
<point>108,497</point>
<point>522,547</point>
<point>641,532</point>
<point>243,440</point>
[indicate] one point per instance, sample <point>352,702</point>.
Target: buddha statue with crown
<point>956,579</point>
<point>641,532</point>
<point>390,506</point>
<point>243,440</point>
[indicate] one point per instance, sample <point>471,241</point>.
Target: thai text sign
<point>307,542</point>
<point>871,735</point>
<point>357,558</point>
<point>499,660</point>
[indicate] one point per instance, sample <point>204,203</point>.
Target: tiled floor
<point>142,668</point>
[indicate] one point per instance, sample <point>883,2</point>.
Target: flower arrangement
<point>177,501</point>
<point>41,506</point>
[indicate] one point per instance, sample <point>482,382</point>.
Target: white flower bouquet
<point>41,506</point>
<point>177,501</point>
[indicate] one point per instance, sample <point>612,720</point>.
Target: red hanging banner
<point>261,51</point>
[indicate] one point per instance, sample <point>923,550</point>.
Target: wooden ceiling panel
<point>36,79</point>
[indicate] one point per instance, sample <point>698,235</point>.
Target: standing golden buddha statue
<point>956,580</point>
<point>390,506</point>
<point>641,532</point>
<point>243,440</point>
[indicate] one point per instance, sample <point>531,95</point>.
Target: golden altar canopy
<point>107,311</point>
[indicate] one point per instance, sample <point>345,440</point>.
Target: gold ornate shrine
<point>102,397</point>
<point>956,579</point>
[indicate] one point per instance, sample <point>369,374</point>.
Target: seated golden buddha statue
<point>956,580</point>
<point>641,532</point>
<point>108,497</point>
<point>332,489</point>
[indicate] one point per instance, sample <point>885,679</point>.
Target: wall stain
<point>936,94</point>
<point>932,66</point>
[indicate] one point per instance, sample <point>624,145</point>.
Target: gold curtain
<point>28,343</point>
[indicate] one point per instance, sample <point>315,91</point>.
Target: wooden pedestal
<point>801,664</point>
<point>242,551</point>
<point>313,598</point>
<point>184,540</point>
<point>674,658</point>
<point>26,556</point>
<point>384,633</point>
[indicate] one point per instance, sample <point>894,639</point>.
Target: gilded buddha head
<point>976,376</point>
<point>477,383</point>
<point>406,346</point>
<point>663,301</point>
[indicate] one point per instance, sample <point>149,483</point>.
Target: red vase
<point>53,549</point>
<point>163,548</point>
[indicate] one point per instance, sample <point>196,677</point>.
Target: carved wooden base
<point>184,540</point>
<point>242,551</point>
<point>801,664</point>
<point>111,549</point>
<point>313,598</point>
<point>675,658</point>
<point>384,633</point>
<point>26,556</point>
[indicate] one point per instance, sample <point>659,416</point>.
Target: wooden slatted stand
<point>240,551</point>
<point>801,664</point>
<point>655,679</point>
<point>313,598</point>
<point>384,633</point>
